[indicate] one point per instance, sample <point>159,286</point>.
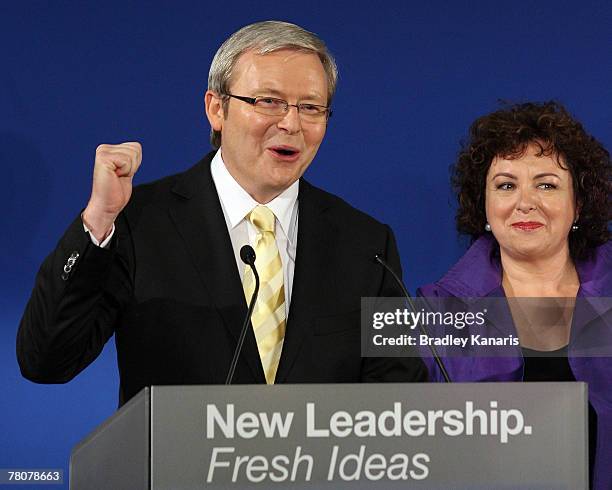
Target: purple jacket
<point>477,275</point>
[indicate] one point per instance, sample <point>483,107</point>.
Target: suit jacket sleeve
<point>393,369</point>
<point>71,313</point>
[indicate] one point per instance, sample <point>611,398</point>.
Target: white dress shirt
<point>237,204</point>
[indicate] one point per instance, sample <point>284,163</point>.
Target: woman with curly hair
<point>534,193</point>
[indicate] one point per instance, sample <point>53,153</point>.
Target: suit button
<point>69,264</point>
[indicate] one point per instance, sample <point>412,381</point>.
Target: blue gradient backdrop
<point>413,75</point>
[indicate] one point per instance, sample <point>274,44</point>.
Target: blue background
<point>412,78</point>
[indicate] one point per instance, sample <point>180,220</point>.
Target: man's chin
<point>283,184</point>
<point>271,190</point>
<point>283,177</point>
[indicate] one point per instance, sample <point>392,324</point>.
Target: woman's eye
<point>547,186</point>
<point>506,186</point>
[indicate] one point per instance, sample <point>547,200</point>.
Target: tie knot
<point>262,218</point>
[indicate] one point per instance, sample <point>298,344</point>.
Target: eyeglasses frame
<point>253,100</point>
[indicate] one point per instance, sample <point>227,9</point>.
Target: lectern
<point>336,436</point>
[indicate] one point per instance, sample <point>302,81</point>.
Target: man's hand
<point>114,170</point>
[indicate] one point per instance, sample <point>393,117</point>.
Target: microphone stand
<point>247,254</point>
<point>422,328</point>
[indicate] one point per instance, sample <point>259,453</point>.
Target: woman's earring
<point>575,226</point>
<point>488,227</point>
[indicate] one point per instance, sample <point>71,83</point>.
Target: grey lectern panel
<point>116,455</point>
<point>389,436</point>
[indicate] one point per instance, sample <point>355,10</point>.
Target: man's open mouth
<point>284,151</point>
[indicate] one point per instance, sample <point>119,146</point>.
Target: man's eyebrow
<point>276,93</point>
<point>269,91</point>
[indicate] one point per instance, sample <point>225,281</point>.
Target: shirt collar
<point>237,202</point>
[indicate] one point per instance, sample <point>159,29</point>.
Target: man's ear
<point>213,104</point>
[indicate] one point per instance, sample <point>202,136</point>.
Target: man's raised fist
<point>114,168</point>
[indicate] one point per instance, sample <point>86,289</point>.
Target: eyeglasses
<point>271,106</point>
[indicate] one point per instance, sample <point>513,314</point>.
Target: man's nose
<point>291,120</point>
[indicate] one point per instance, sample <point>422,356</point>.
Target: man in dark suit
<point>159,267</point>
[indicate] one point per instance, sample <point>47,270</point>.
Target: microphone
<point>247,254</point>
<point>412,306</point>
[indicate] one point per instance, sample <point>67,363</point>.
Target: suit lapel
<point>198,216</point>
<point>313,276</point>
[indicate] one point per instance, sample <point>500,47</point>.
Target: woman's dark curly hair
<point>506,133</point>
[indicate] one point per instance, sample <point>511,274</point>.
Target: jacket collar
<point>478,273</point>
<point>313,264</point>
<point>198,217</point>
<point>595,273</point>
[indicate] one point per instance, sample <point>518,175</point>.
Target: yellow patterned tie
<point>269,313</point>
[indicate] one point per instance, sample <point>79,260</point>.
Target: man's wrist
<point>100,225</point>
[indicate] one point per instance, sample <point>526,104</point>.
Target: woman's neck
<point>553,276</point>
<point>541,295</point>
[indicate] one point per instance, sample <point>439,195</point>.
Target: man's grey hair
<point>263,38</point>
